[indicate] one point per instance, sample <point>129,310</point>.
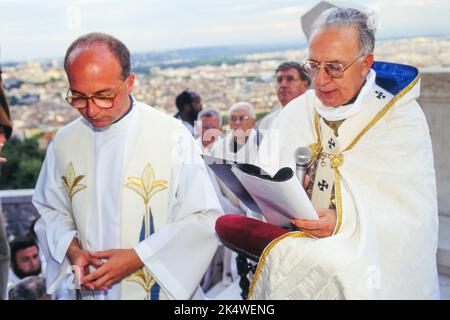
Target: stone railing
<point>435,102</point>
<point>18,211</point>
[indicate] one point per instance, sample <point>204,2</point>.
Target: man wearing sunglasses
<point>371,176</point>
<point>121,191</point>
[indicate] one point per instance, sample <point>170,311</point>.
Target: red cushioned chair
<point>247,237</point>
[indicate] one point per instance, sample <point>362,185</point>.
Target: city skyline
<point>37,89</point>
<point>43,29</point>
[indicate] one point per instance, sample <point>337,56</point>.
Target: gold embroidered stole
<point>328,153</point>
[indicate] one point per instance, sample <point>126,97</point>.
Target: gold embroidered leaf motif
<point>70,172</point>
<point>78,179</point>
<point>77,188</point>
<point>158,186</point>
<point>146,187</point>
<point>148,176</point>
<point>143,278</point>
<point>66,184</point>
<point>137,182</point>
<point>71,181</point>
<point>136,188</point>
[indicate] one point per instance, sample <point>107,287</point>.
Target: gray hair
<point>115,46</point>
<point>349,17</point>
<point>250,108</point>
<point>209,113</point>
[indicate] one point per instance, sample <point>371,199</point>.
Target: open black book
<point>278,197</point>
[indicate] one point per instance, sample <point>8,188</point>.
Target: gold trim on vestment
<point>338,159</point>
<point>383,112</point>
<point>338,195</point>
<point>316,126</point>
<point>293,234</point>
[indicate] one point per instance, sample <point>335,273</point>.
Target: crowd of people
<point>128,207</point>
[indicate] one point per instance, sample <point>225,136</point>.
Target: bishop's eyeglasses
<point>333,69</point>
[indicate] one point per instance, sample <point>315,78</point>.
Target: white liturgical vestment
<point>223,149</point>
<point>139,183</point>
<point>385,241</point>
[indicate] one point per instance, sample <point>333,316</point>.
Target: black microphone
<point>302,159</point>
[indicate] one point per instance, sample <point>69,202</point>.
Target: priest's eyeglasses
<point>333,69</point>
<point>79,101</point>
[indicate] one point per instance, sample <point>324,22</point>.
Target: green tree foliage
<point>24,163</point>
<point>262,114</point>
<point>259,116</point>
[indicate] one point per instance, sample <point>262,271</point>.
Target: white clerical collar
<point>121,124</point>
<point>349,110</point>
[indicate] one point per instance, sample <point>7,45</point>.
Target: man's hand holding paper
<point>324,227</point>
<point>321,228</point>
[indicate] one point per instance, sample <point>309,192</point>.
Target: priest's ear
<point>130,82</point>
<point>367,63</point>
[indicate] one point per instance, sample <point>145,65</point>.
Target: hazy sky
<point>44,28</point>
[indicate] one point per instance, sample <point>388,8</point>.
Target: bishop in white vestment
<point>372,163</point>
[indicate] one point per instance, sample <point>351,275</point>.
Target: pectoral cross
<point>323,185</point>
<point>331,143</point>
<point>380,95</point>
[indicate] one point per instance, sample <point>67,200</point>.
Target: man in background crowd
<point>209,127</point>
<point>25,260</point>
<point>241,143</point>
<point>291,82</point>
<point>29,288</point>
<point>189,104</point>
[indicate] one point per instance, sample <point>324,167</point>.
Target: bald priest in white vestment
<point>371,177</point>
<point>123,194</point>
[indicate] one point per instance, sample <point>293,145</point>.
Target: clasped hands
<point>111,266</point>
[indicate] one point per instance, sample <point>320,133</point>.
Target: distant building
<point>12,84</point>
<point>25,100</point>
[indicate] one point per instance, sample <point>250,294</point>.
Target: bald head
<point>91,62</point>
<point>95,69</point>
<point>102,44</point>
